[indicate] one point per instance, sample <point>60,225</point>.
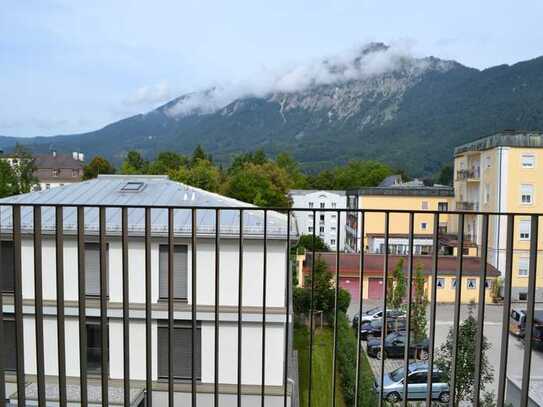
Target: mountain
<point>378,104</point>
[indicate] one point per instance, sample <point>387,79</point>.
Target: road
<point>492,330</point>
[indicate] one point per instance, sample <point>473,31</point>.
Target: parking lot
<point>492,330</point>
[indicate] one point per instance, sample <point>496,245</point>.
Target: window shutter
<point>180,282</point>
<point>9,348</point>
<point>92,268</point>
<point>7,264</point>
<point>181,352</point>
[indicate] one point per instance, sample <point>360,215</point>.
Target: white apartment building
<point>152,191</point>
<point>326,222</point>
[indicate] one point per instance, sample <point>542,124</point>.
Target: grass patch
<point>321,390</point>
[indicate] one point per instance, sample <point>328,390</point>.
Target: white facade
<point>326,222</point>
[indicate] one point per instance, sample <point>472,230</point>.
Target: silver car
<point>417,384</point>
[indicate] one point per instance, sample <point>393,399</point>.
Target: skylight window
<point>132,187</point>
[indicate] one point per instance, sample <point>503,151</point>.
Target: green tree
<point>202,174</point>
<point>419,304</point>
<point>166,162</point>
<point>23,170</point>
<point>446,175</point>
<point>285,161</point>
<point>396,287</point>
<point>134,164</point>
<point>307,242</point>
<point>361,174</point>
<point>465,364</point>
<point>199,154</point>
<point>263,185</point>
<point>326,179</point>
<point>8,180</point>
<point>98,165</point>
<point>257,157</point>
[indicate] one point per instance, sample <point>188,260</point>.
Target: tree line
<point>251,177</point>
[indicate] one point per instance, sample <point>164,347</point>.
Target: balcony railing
<point>233,283</point>
<point>471,174</point>
<point>467,206</point>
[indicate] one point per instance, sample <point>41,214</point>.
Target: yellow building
<point>502,173</point>
<point>392,194</point>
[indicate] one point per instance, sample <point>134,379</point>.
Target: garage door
<point>351,285</point>
<point>375,288</point>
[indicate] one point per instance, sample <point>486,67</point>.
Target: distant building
<point>392,194</point>
<point>326,223</point>
<point>55,170</point>
<point>503,173</point>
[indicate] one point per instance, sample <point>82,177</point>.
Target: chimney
<point>75,156</point>
<point>81,157</point>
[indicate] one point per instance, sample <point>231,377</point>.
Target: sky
<point>74,66</point>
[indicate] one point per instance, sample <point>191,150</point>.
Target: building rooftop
<point>135,191</point>
<point>407,189</point>
<point>312,191</point>
<point>57,161</point>
<point>374,264</point>
<point>509,138</point>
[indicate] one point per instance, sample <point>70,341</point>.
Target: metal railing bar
<point>61,332</point>
<point>217,292</point>
<point>126,312</point>
<point>104,331</point>
<point>148,309</point>
<point>288,280</point>
<point>264,293</point>
<point>456,320</point>
<point>361,293</point>
<point>2,335</point>
<point>433,304</point>
<point>384,318</point>
<point>409,300</point>
<point>481,310</point>
<point>194,300</point>
<point>336,298</point>
<point>19,343</point>
<point>240,304</point>
<point>506,310</point>
<point>311,322</point>
<point>38,296</point>
<point>528,332</point>
<point>82,305</point>
<point>170,307</point>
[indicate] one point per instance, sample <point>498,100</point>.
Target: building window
<point>47,186</point>
<point>423,225</point>
<point>321,229</point>
<point>487,159</point>
<point>443,206</point>
<point>453,283</point>
<point>488,283</point>
<point>7,276</point>
<point>527,194</point>
<point>333,216</point>
<point>75,173</point>
<point>322,205</point>
<point>523,266</point>
<point>523,296</point>
<point>310,204</point>
<point>321,218</point>
<point>424,205</point>
<point>333,204</point>
<point>528,161</point>
<point>333,228</point>
<point>524,229</point>
<point>181,351</point>
<point>94,346</point>
<point>472,283</point>
<point>92,268</point>
<point>440,283</point>
<point>333,242</point>
<point>310,229</point>
<point>180,267</point>
<point>10,359</point>
<point>56,172</point>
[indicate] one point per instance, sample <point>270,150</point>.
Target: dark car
<point>537,338</point>
<point>374,328</point>
<point>395,346</point>
<point>375,314</point>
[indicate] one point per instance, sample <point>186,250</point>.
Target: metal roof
<point>510,138</point>
<point>157,192</point>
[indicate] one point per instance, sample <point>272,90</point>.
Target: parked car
<point>537,338</point>
<point>395,346</point>
<point>375,314</point>
<point>374,328</point>
<point>417,384</point>
<point>517,321</point>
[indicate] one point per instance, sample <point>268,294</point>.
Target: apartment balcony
<point>192,304</point>
<point>472,175</point>
<point>467,206</point>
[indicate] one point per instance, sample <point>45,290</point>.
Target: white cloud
<point>357,63</point>
<point>157,93</point>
